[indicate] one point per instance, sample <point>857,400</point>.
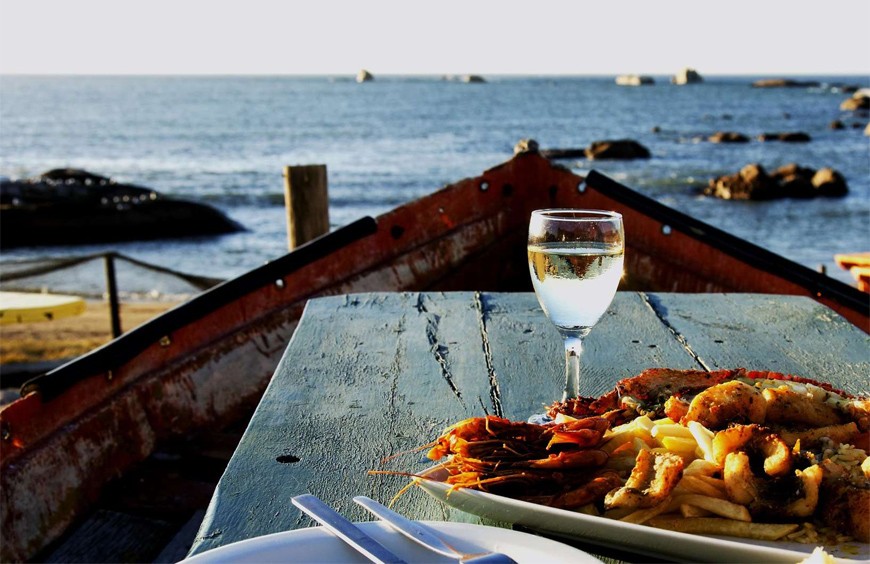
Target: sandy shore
<point>73,336</point>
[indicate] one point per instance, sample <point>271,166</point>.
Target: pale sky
<point>340,37</point>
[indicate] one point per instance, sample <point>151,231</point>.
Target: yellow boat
<point>23,307</point>
<point>859,265</point>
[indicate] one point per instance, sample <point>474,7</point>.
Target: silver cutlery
<point>427,536</point>
<point>345,530</point>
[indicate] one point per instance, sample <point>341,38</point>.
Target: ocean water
<point>225,140</point>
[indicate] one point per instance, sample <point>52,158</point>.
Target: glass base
<point>540,419</point>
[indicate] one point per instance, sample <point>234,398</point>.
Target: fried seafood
<point>771,452</point>
<point>786,405</point>
<point>672,448</point>
<point>787,399</point>
<point>845,505</point>
<point>723,404</point>
<point>593,490</point>
<point>653,478</point>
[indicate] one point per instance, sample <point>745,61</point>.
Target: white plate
<point>316,544</point>
<point>614,534</point>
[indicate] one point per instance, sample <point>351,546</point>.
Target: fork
<point>427,536</point>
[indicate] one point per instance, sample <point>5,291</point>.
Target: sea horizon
<point>224,140</point>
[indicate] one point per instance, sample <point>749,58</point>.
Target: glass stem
<point>573,350</point>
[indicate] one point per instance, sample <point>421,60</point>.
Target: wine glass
<point>575,261</point>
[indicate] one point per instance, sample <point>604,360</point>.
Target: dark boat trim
<point>127,346</point>
<point>814,282</point>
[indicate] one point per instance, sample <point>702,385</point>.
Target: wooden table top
<point>368,376</point>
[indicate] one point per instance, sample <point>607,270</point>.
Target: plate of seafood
<point>730,465</point>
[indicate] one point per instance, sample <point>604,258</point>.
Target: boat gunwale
<point>818,284</point>
<point>128,345</point>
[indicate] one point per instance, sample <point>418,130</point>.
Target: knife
<point>424,535</point>
<point>345,530</point>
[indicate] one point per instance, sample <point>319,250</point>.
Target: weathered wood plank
<point>530,361</point>
<point>790,334</point>
<point>370,376</point>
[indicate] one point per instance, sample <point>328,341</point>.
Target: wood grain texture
<point>368,378</point>
<point>529,359</point>
<point>789,334</point>
<point>306,202</point>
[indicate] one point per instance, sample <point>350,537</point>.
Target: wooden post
<point>112,290</point>
<point>307,204</point>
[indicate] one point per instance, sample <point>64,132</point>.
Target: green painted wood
<point>529,357</point>
<point>368,377</point>
<point>789,334</point>
<point>365,377</point>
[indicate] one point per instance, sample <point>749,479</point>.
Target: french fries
<point>644,515</point>
<point>697,484</point>
<point>699,503</point>
<point>715,505</point>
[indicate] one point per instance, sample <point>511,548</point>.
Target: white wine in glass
<point>575,261</point>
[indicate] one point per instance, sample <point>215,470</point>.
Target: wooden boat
<point>207,361</point>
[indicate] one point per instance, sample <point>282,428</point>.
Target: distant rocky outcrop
<point>466,78</point>
<point>73,207</point>
<point>787,137</point>
<point>785,83</point>
<point>634,80</point>
<point>623,149</point>
<point>364,76</point>
<point>616,149</point>
<point>728,137</point>
<point>687,76</point>
<point>860,100</point>
<point>752,182</point>
<point>526,146</point>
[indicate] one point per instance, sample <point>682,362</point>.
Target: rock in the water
<point>796,181</point>
<point>785,83</point>
<point>829,182</point>
<point>687,76</point>
<point>837,124</point>
<point>789,181</point>
<point>473,78</point>
<point>751,183</point>
<point>728,137</point>
<point>74,207</point>
<point>617,149</point>
<point>364,76</point>
<point>860,100</point>
<point>788,137</point>
<point>634,80</point>
<point>526,146</point>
